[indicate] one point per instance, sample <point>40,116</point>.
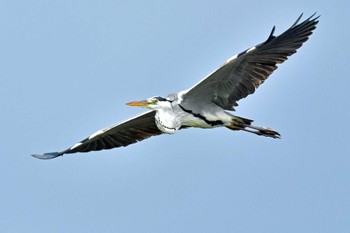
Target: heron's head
<point>153,103</point>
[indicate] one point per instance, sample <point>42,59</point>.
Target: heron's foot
<point>262,131</point>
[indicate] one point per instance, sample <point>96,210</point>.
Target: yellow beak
<point>142,103</point>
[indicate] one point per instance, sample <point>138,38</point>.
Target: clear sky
<point>68,68</point>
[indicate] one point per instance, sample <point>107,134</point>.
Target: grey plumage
<point>239,77</point>
<point>123,134</point>
<point>203,105</point>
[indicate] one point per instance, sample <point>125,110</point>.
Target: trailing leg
<point>262,131</point>
<point>240,123</point>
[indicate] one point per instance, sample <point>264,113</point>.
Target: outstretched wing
<point>123,134</point>
<point>243,73</point>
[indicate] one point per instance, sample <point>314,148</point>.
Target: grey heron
<point>206,104</point>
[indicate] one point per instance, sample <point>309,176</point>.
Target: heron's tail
<point>240,123</point>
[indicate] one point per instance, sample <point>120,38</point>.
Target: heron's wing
<point>243,73</point>
<point>123,134</point>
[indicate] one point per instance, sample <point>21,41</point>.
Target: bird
<point>210,102</point>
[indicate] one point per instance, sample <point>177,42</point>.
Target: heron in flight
<point>206,104</point>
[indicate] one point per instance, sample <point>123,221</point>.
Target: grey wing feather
<point>119,135</point>
<point>243,73</point>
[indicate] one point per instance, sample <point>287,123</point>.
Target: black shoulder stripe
<point>212,123</point>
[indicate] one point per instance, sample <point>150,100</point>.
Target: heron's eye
<point>153,100</point>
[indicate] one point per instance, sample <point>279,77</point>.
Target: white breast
<point>167,122</point>
<point>164,128</point>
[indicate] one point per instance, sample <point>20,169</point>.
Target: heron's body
<point>171,116</point>
<point>207,103</point>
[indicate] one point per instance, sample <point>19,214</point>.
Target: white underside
<point>169,122</point>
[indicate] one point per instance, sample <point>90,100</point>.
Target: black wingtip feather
<point>298,19</point>
<point>313,16</point>
<point>271,36</point>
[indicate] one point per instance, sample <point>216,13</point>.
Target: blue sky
<point>69,67</point>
